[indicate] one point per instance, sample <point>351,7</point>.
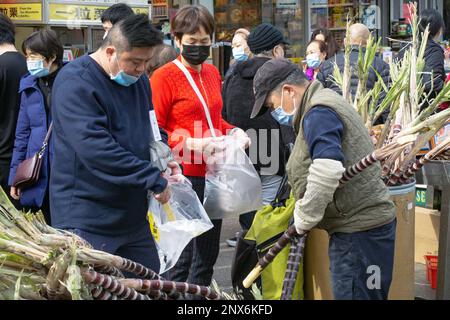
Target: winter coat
<point>32,125</point>
<point>325,75</point>
<point>238,100</point>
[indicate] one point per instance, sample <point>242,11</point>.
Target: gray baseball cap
<point>268,77</point>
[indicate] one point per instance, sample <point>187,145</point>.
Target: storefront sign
<point>287,4</point>
<point>22,11</point>
<point>83,14</point>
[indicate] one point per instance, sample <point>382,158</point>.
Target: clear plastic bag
<point>232,185</point>
<point>176,223</point>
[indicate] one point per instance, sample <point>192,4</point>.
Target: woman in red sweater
<point>181,114</point>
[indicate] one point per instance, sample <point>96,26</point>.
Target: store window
<point>332,15</point>
<point>235,14</point>
<point>288,16</point>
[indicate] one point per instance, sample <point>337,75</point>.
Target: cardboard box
<point>427,233</point>
<point>317,264</point>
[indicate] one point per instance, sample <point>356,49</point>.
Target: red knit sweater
<point>180,112</point>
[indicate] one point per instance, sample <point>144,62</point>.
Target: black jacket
<point>238,100</point>
<point>434,62</point>
<point>326,72</point>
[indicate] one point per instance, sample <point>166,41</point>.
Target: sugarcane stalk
<point>347,74</point>
<point>284,240</point>
<point>112,285</point>
<point>100,258</point>
<point>293,267</point>
<point>416,166</point>
<point>170,287</point>
<point>374,157</point>
<point>99,293</point>
<point>56,274</point>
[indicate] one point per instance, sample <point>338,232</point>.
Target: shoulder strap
<point>197,91</point>
<point>47,137</point>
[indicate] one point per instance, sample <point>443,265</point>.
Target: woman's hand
<point>203,144</point>
<point>15,193</point>
<point>242,138</point>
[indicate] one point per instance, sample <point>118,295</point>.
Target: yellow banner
<point>64,12</point>
<point>22,11</point>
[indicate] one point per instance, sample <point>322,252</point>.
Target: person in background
<point>180,112</point>
<point>359,34</point>
<point>163,54</point>
<point>101,171</point>
<point>434,72</point>
<point>44,55</point>
<point>326,36</point>
<point>240,48</point>
<point>114,14</point>
<point>316,53</point>
<point>12,67</point>
<point>266,42</point>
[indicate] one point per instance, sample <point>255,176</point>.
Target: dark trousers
<point>196,262</point>
<point>4,176</point>
<point>361,263</point>
<point>137,246</point>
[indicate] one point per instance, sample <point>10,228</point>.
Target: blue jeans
<point>361,263</point>
<point>137,246</point>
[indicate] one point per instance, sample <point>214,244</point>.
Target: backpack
<point>268,226</point>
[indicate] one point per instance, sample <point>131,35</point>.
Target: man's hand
<point>242,138</point>
<point>174,168</point>
<point>164,197</point>
<point>15,193</point>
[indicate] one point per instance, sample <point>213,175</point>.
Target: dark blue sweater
<point>323,130</point>
<point>101,170</point>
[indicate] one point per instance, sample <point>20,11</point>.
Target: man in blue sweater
<point>101,170</point>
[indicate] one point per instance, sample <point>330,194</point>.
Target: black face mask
<point>195,55</point>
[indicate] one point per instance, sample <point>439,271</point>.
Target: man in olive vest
<point>331,136</point>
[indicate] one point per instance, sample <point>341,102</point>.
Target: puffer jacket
<point>325,75</point>
<point>326,71</point>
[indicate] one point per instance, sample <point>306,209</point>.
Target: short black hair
<point>7,30</point>
<point>164,53</point>
<point>433,18</point>
<point>135,31</point>
<point>116,13</point>
<point>189,19</point>
<point>46,43</point>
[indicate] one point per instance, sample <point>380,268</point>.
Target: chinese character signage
<point>19,11</point>
<point>83,14</point>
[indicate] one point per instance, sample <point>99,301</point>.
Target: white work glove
<point>322,182</point>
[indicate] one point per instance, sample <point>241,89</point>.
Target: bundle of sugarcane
<point>410,108</point>
<point>41,262</point>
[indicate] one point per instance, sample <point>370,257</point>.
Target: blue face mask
<point>123,78</point>
<point>281,116</point>
<point>37,69</point>
<point>239,54</point>
<point>313,61</point>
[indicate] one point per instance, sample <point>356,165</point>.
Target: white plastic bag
<point>176,223</point>
<point>232,185</point>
